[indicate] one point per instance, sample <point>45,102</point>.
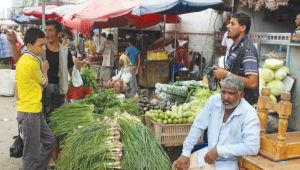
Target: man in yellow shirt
<point>31,76</point>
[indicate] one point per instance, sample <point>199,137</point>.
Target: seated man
<point>232,129</point>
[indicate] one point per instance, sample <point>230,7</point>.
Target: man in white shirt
<point>226,42</point>
<point>233,130</point>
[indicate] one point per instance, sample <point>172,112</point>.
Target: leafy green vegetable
<point>276,87</point>
<point>273,64</point>
<point>281,73</point>
<point>69,117</point>
<point>93,147</point>
<point>103,99</point>
<point>88,78</point>
<point>141,148</point>
<point>266,74</point>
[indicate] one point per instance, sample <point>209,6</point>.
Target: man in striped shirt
<point>242,59</point>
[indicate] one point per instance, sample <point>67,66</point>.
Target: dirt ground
<point>8,128</point>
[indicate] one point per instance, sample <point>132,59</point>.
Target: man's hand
<point>45,66</point>
<point>182,163</point>
<point>136,72</point>
<point>220,73</point>
<point>211,157</point>
<point>11,37</point>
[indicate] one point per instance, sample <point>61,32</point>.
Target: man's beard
<point>231,106</point>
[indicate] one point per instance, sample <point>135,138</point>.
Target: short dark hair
<point>110,37</point>
<point>243,19</point>
<point>32,34</point>
<point>131,40</point>
<point>56,25</point>
<point>103,34</point>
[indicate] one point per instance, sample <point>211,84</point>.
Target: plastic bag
<point>76,78</point>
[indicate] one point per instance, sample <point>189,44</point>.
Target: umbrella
<point>176,7</point>
<point>107,14</point>
<point>22,19</point>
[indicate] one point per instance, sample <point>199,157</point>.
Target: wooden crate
<point>152,72</point>
<point>170,135</point>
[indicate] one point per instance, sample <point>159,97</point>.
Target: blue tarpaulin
<point>174,7</point>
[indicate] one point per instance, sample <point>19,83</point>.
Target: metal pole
<point>43,16</point>
<point>175,46</point>
<point>165,18</point>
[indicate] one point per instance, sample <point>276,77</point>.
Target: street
<point>8,128</point>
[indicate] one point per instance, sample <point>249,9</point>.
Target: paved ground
<point>8,128</point>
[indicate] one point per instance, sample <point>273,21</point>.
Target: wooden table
<point>261,163</point>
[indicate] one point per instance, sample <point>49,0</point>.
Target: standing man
<point>226,41</point>
<point>233,130</point>
<point>134,55</point>
<point>60,66</point>
<point>242,59</point>
<point>102,40</point>
<point>5,50</point>
<point>31,76</point>
<point>109,55</point>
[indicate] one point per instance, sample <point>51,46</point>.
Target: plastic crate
<point>170,135</point>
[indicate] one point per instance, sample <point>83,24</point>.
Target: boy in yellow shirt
<point>31,76</point>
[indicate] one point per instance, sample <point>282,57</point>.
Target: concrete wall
<point>198,27</point>
<point>260,24</point>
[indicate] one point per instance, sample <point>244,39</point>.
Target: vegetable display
<point>69,117</point>
<point>88,77</point>
<point>145,105</point>
<point>95,146</point>
<point>271,76</point>
<point>103,100</point>
<point>178,92</point>
<point>185,113</point>
<point>141,148</point>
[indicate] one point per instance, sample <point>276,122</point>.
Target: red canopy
<point>108,13</point>
<point>37,11</point>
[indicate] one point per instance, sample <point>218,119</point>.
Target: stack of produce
<point>120,142</point>
<point>103,100</point>
<point>185,113</point>
<point>88,78</point>
<point>271,76</point>
<point>71,116</point>
<point>95,146</point>
<point>106,103</point>
<point>177,92</point>
<point>141,149</point>
<point>145,104</point>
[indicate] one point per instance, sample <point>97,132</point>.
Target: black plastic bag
<point>16,149</point>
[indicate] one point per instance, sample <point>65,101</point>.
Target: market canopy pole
<point>43,16</point>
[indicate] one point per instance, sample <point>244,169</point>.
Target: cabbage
<point>276,87</point>
<point>273,64</point>
<point>281,73</point>
<point>273,98</point>
<point>266,74</point>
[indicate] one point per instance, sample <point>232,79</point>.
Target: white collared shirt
<point>238,136</point>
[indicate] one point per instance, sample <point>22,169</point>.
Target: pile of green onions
<point>95,146</point>
<point>69,117</point>
<point>141,148</point>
